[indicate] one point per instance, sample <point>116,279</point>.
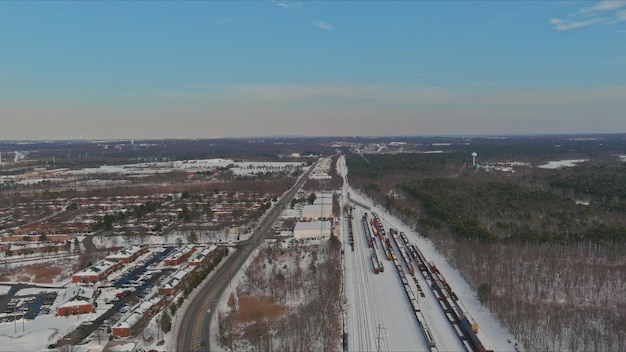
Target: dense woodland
<point>547,243</point>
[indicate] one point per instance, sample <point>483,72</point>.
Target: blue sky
<point>205,69</point>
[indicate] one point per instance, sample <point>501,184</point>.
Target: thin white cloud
<point>605,12</point>
<point>287,4</point>
<point>617,60</point>
<point>301,92</point>
<point>323,25</point>
<point>599,95</point>
<point>605,5</point>
<point>564,25</point>
<point>223,21</point>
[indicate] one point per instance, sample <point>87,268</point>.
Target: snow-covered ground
<point>238,167</point>
<point>378,309</point>
<point>378,313</point>
<point>561,163</point>
<point>4,289</point>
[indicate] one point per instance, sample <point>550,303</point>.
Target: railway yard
<point>398,298</point>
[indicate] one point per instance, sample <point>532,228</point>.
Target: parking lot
<point>28,306</point>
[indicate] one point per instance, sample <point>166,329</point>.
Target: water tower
<point>474,155</point>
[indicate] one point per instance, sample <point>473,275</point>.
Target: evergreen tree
<point>484,291</point>
<point>166,322</point>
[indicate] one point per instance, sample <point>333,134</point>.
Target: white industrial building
<point>312,230</point>
<point>317,211</point>
<point>323,198</point>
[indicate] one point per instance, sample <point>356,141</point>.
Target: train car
<point>470,319</point>
<point>429,336</point>
<point>411,270</point>
<point>472,337</point>
<point>467,346</point>
<point>433,268</point>
<point>453,295</point>
<point>439,289</point>
<point>450,305</point>
<point>375,266</point>
<point>458,313</point>
<point>415,306</point>
<point>459,332</point>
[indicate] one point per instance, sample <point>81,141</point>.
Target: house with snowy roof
<point>97,272</point>
<point>128,254</point>
<point>77,300</point>
<point>177,280</point>
<point>137,316</point>
<point>203,256</point>
<point>180,255</point>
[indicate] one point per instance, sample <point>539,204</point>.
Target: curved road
<point>194,326</point>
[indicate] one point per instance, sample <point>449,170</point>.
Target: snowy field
<point>558,164</point>
<point>238,167</point>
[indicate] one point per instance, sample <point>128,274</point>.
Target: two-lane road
<point>194,327</point>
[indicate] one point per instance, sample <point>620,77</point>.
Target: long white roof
<point>312,225</point>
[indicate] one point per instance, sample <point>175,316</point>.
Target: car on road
<point>203,343</point>
<point>208,311</point>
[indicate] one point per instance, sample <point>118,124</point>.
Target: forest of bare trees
<point>289,300</point>
<point>552,297</point>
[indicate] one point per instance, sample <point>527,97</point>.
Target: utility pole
<point>379,337</point>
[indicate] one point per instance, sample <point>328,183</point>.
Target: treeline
<point>534,206</point>
<point>375,166</point>
<point>497,211</point>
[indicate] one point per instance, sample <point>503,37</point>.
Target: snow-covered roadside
<point>221,304</point>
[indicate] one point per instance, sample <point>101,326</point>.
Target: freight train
<point>448,300</point>
<point>350,228</point>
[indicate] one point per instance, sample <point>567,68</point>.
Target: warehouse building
<point>316,212</point>
<point>312,230</point>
